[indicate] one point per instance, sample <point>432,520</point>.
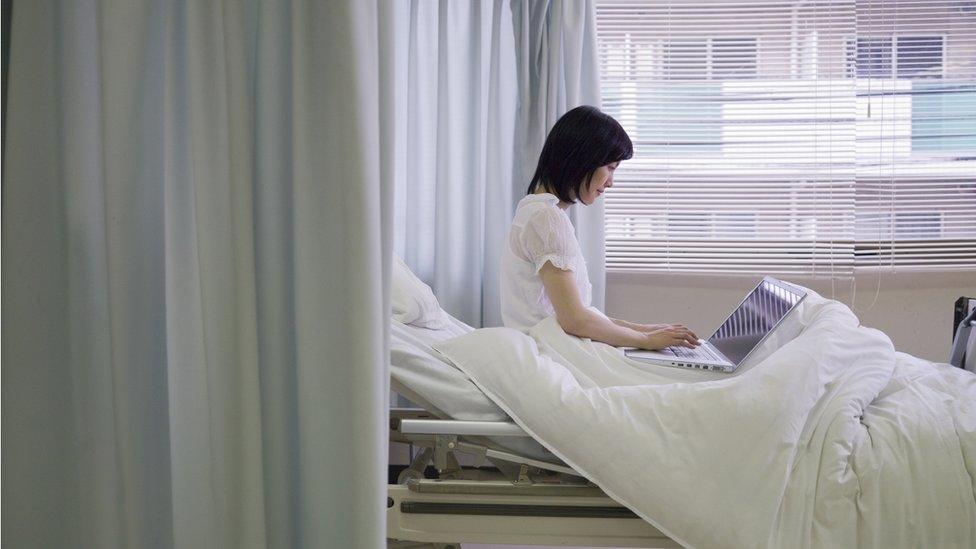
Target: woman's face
<point>602,180</point>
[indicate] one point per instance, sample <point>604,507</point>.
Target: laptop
<point>741,333</point>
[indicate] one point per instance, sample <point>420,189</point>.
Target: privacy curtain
<point>558,69</point>
<point>456,99</point>
<point>196,231</point>
<point>483,82</point>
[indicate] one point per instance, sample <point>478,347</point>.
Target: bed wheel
<point>408,474</point>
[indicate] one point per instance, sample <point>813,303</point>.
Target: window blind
<point>811,137</point>
<point>915,66</point>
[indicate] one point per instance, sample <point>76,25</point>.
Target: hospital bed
<point>513,491</point>
<point>474,475</point>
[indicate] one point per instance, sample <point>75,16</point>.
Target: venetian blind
<point>813,137</point>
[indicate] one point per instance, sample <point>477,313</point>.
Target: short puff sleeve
<point>548,236</point>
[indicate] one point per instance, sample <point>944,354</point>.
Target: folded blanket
<point>826,437</point>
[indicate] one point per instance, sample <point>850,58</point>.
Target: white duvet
<point>827,437</point>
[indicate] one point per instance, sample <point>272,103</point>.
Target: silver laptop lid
<point>761,311</point>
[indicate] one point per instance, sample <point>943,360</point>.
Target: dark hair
<point>581,141</point>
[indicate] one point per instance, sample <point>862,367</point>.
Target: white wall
<point>915,310</point>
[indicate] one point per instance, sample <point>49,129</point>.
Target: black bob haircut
<point>581,141</point>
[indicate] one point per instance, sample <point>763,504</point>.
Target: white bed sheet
<point>418,368</point>
<point>826,439</point>
<point>422,374</point>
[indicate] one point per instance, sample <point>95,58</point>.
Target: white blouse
<point>541,232</point>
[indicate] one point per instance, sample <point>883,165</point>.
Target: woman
<point>542,269</point>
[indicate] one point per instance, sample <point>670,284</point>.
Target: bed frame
<point>521,500</point>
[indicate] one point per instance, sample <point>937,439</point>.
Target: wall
<point>915,310</point>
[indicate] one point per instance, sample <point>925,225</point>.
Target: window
<point>902,56</point>
<point>943,115</point>
<point>872,58</point>
<point>801,137</point>
<point>918,56</point>
<point>686,59</point>
<point>733,58</point>
<point>707,58</point>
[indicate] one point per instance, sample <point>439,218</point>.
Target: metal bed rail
<point>441,438</point>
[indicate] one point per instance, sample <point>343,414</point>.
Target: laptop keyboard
<point>702,352</point>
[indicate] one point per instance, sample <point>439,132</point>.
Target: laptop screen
<point>761,310</point>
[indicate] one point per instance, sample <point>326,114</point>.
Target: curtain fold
<point>454,190</point>
<point>558,69</point>
<point>196,239</point>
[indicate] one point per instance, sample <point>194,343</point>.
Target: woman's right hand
<point>668,336</point>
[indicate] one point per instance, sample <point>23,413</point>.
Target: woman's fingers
<point>685,330</point>
<point>691,334</point>
<point>685,335</point>
<point>680,336</point>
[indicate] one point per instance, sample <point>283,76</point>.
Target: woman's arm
<point>639,327</point>
<point>577,320</point>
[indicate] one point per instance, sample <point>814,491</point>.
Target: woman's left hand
<point>650,328</point>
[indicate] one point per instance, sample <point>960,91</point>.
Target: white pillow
<point>413,301</point>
